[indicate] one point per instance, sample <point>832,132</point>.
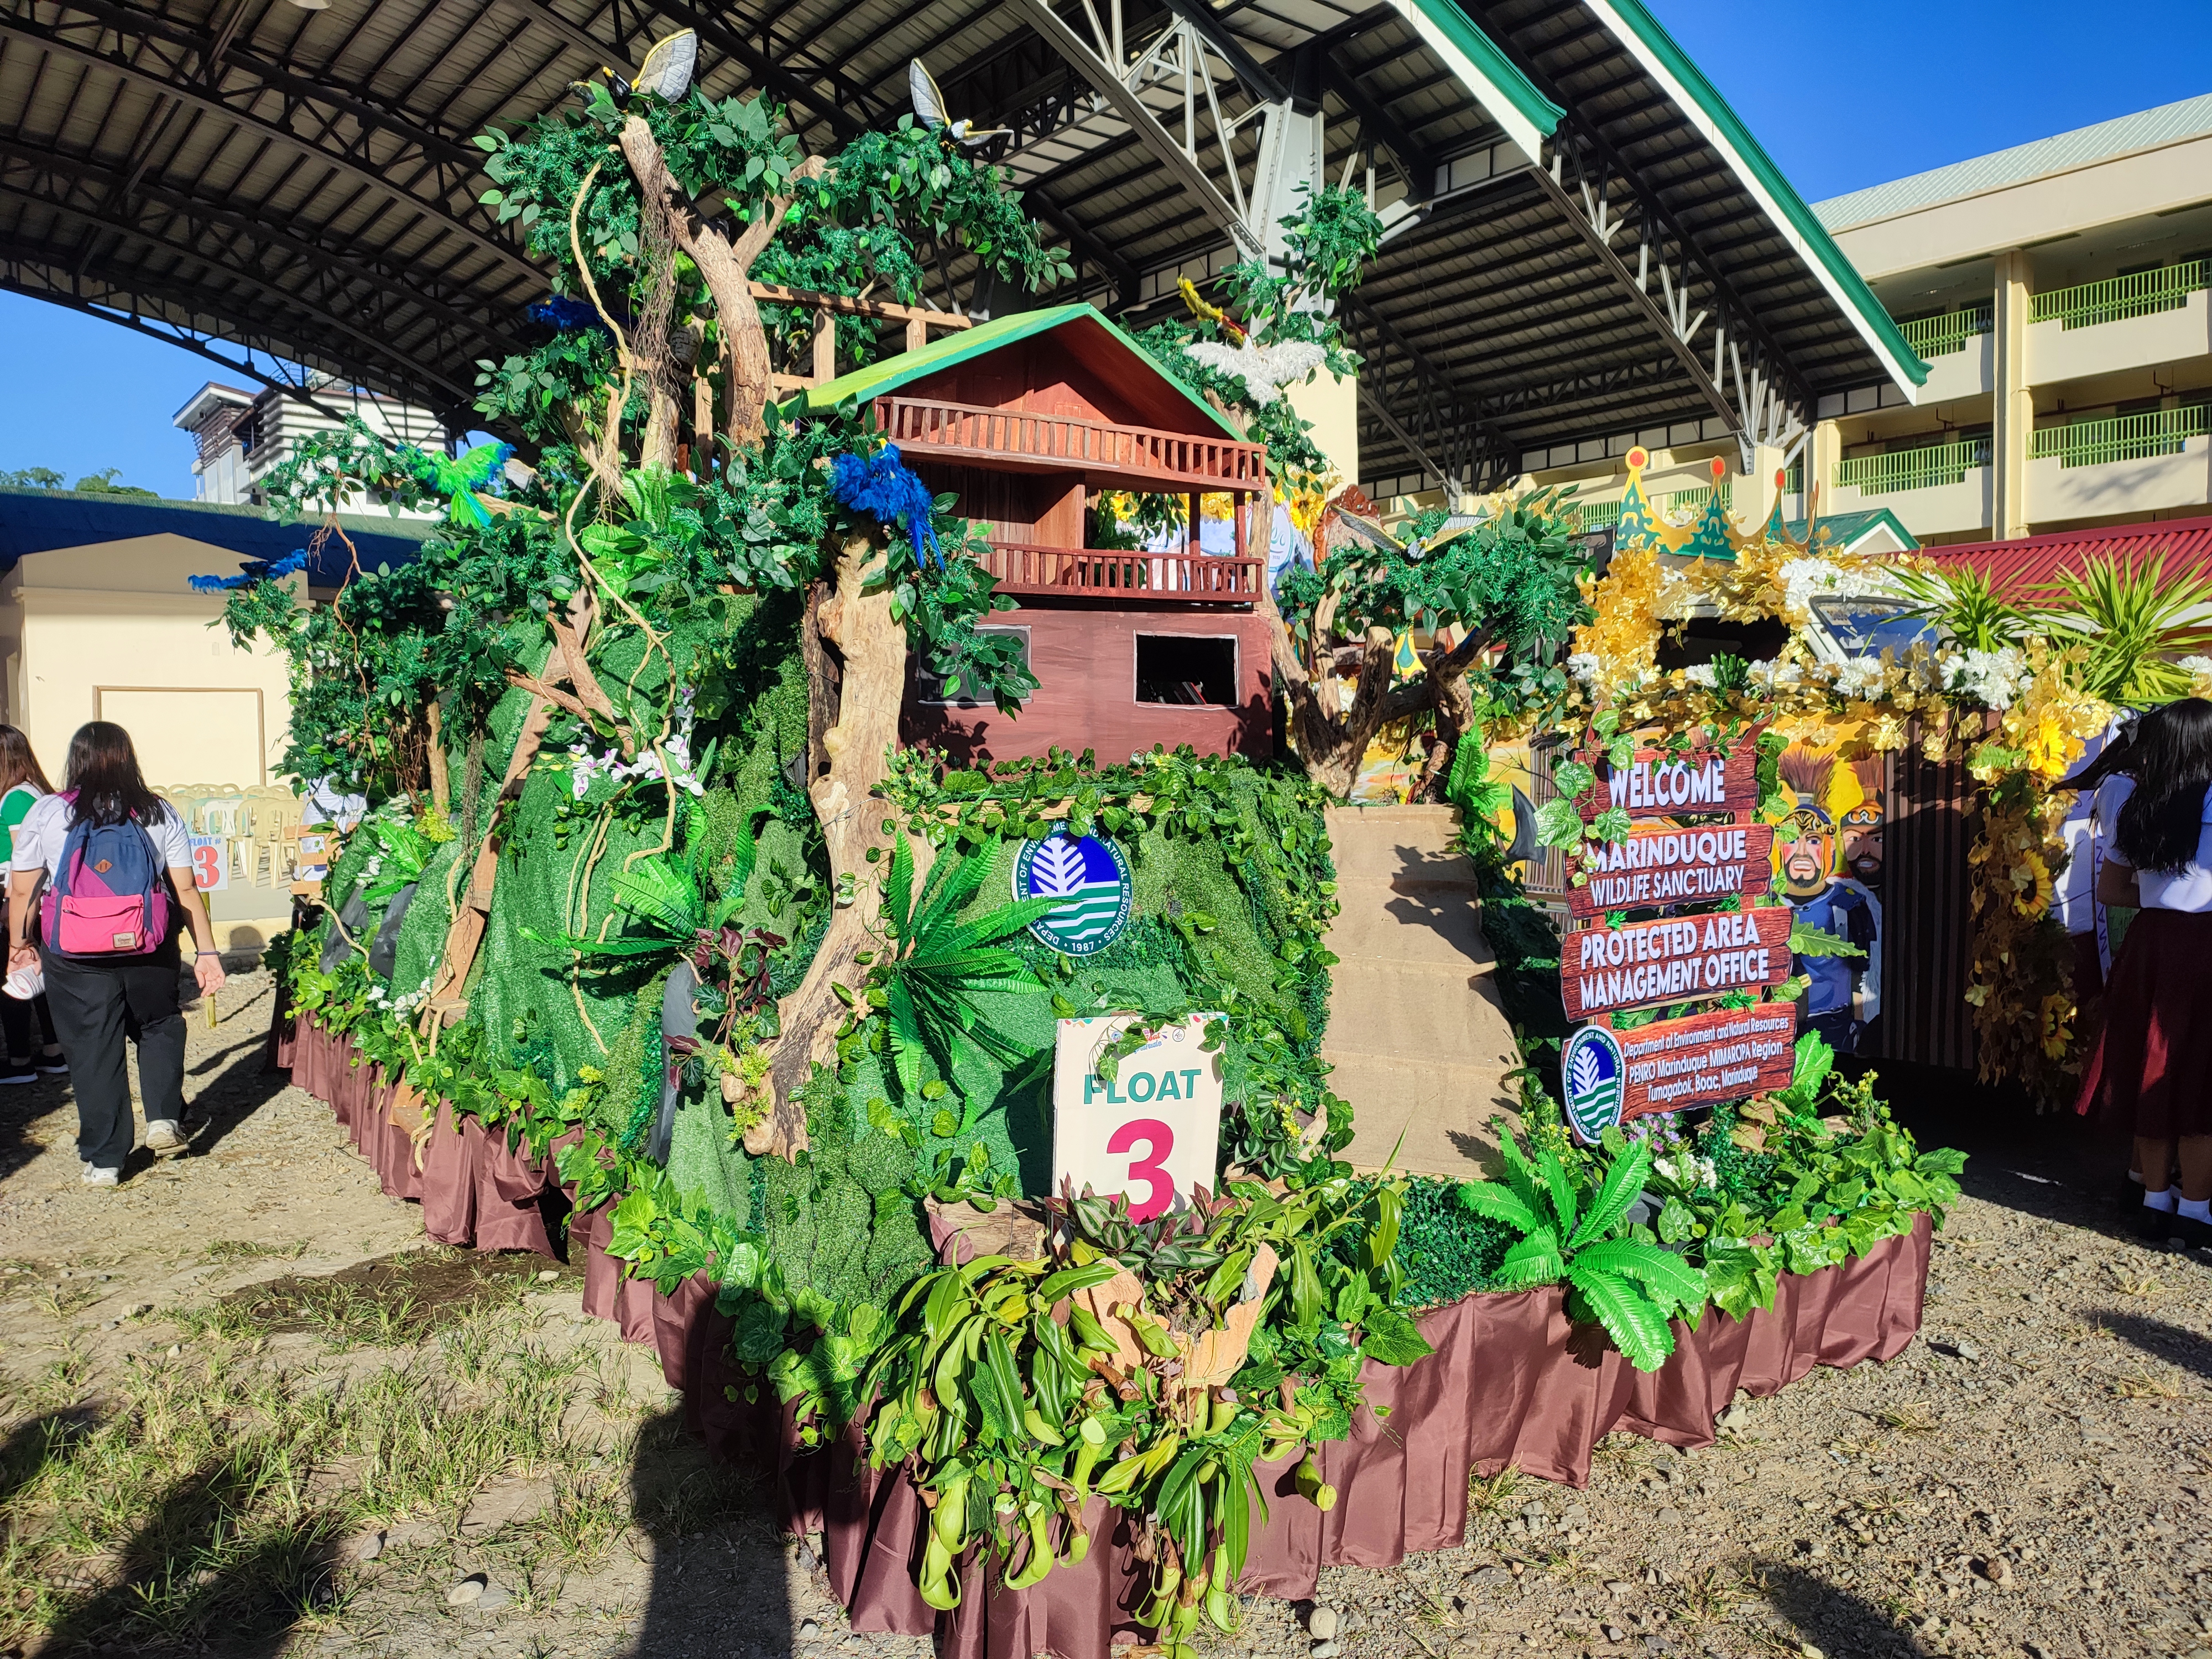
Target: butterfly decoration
<point>929,110</point>
<point>667,71</point>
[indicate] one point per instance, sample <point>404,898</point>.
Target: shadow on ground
<point>2158,1339</point>
<point>722,1571</point>
<point>242,1602</point>
<point>1834,1620</point>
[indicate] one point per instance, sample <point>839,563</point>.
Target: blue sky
<point>1842,92</point>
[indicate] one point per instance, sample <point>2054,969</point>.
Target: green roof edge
<point>1500,72</point>
<point>877,379</point>
<point>1851,286</point>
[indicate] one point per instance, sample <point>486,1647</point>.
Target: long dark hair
<point>19,764</point>
<point>103,770</point>
<point>2171,761</point>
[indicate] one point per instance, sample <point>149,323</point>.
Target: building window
<point>929,690</point>
<point>1197,671</point>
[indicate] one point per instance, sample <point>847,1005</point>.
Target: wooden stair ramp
<point>1419,1040</point>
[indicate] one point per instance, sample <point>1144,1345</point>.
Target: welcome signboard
<point>1694,783</point>
<point>1657,865</point>
<point>1603,969</point>
<point>1153,1131</point>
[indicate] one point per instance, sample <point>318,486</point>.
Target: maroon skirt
<point>2151,1072</point>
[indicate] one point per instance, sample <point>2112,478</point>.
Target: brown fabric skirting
<point>1512,1382</point>
<point>2151,1071</point>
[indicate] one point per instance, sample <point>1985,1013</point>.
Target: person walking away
<point>115,862</point>
<point>29,1026</point>
<point>2154,1069</point>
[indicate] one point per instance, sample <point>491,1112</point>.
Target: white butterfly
<point>929,108</point>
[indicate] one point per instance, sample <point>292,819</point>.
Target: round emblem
<point>1090,878</point>
<point>1595,1080</point>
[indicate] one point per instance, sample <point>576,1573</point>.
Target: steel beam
<point>47,39</point>
<point>1141,121</point>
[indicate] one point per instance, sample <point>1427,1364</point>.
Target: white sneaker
<point>102,1177</point>
<point>164,1138</point>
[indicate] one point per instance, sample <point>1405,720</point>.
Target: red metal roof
<point>2183,543</point>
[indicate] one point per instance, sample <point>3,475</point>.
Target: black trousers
<point>96,1007</point>
<point>30,1025</point>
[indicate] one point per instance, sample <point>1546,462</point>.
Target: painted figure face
<point>1863,842</point>
<point>1808,861</point>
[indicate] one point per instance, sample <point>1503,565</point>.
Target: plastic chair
<point>219,815</point>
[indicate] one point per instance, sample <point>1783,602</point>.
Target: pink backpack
<point>110,896</point>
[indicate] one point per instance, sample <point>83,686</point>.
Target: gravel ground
<point>2027,1479</point>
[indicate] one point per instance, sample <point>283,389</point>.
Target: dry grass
<point>221,1252</point>
<point>2140,1384</point>
<point>1909,1417</point>
<point>1495,1495</point>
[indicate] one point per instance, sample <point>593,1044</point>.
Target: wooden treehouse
<point>1025,419</point>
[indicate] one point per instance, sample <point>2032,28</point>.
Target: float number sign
<point>1150,1132</point>
<point>210,864</point>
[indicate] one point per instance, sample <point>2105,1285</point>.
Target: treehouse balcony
<point>1104,454</point>
<point>1028,570</point>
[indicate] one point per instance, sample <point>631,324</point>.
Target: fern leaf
<point>1499,1203</point>
<point>1561,1186</point>
<point>898,893</point>
<point>1670,1281</point>
<point>1521,1176</point>
<point>664,894</point>
<point>1535,1261</point>
<point>1623,1186</point>
<point>1632,1320</point>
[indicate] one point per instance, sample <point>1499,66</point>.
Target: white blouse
<point>2189,888</point>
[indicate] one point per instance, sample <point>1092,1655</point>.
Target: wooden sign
<point>1672,1065</point>
<point>1151,1132</point>
<point>1699,781</point>
<point>1661,865</point>
<point>1674,959</point>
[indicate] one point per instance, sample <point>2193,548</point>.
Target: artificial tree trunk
<point>1329,741</point>
<point>725,267</point>
<point>855,653</point>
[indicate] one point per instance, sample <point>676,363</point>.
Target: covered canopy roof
<point>1591,245</point>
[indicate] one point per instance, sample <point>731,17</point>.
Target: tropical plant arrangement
<point>669,905</point>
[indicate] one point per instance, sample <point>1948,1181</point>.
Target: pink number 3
<point>1159,1141</point>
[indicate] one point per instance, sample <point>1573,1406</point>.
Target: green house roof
<point>889,374</point>
<point>1848,530</point>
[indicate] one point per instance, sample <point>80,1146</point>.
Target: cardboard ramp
<point>1419,1040</point>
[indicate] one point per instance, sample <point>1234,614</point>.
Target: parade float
<point>946,1102</point>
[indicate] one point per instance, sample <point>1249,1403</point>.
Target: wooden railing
<point>958,431</point>
<point>1090,572</point>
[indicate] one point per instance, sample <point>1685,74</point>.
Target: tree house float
<point>1024,418</point>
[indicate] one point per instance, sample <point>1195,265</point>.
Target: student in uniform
<point>31,1050</point>
<point>2154,1066</point>
<point>108,985</point>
